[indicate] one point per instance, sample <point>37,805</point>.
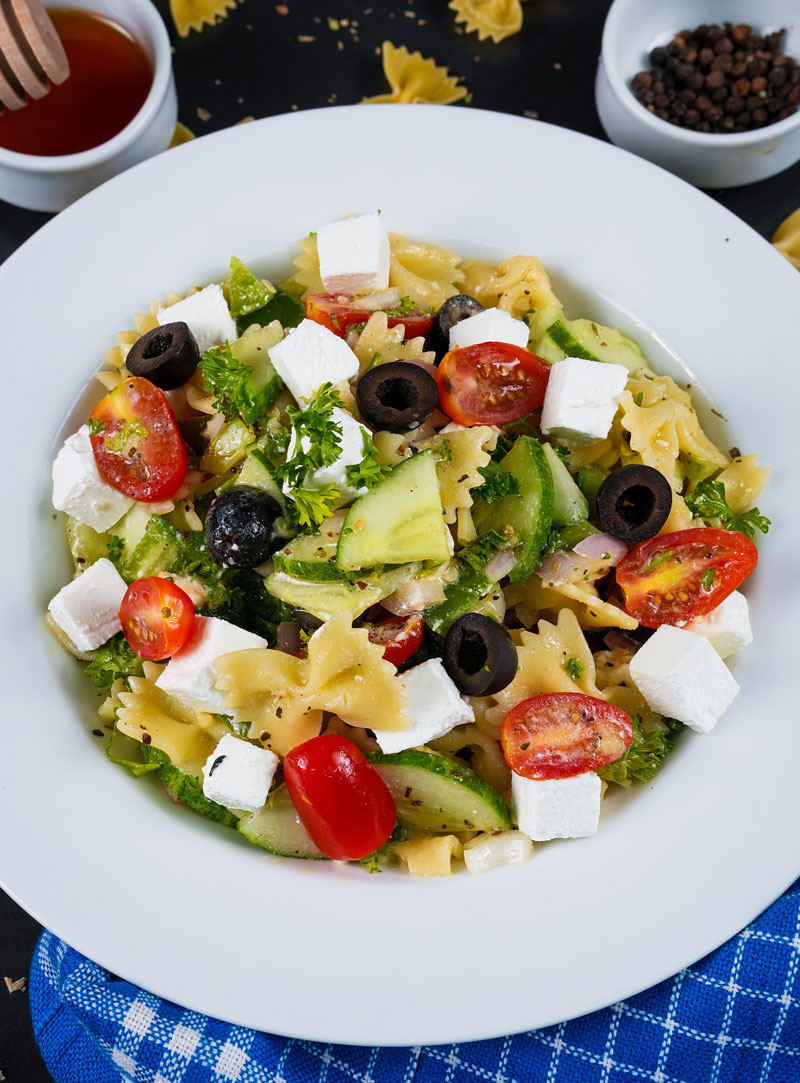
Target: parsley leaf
<point>114,659</point>
<point>228,379</point>
<point>246,293</point>
<point>642,758</point>
<point>708,578</point>
<point>95,426</point>
<point>708,501</point>
<point>574,668</point>
<point>310,507</point>
<point>498,483</point>
<point>317,437</point>
<point>369,471</point>
<point>479,552</point>
<point>116,547</point>
<point>404,308</point>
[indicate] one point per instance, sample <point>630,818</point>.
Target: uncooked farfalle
<point>416,79</point>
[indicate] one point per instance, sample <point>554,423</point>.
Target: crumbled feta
<point>581,399</point>
<point>207,315</point>
<point>190,675</point>
<point>556,808</point>
<point>681,676</point>
<point>78,488</point>
<point>727,628</point>
<point>352,453</point>
<point>491,325</point>
<point>310,356</point>
<point>87,609</point>
<point>354,254</point>
<point>487,851</point>
<point>435,706</point>
<point>238,774</point>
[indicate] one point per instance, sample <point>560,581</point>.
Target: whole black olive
<point>634,502</point>
<point>453,311</point>
<point>240,526</point>
<point>397,396</point>
<point>167,356</point>
<point>479,655</point>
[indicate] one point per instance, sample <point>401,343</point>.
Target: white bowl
<point>632,29</point>
<point>50,183</point>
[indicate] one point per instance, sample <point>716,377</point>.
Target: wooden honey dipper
<point>31,53</point>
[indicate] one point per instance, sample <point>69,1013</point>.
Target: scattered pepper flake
<point>281,9</point>
<point>202,114</point>
<point>557,66</point>
<point>333,24</point>
<point>17,986</point>
<point>305,38</point>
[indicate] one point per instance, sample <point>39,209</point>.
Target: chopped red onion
<point>597,545</point>
<point>414,596</point>
<point>557,566</point>
<point>289,637</point>
<point>372,302</point>
<point>500,564</point>
<point>618,641</point>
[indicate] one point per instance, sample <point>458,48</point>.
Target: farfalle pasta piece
<point>542,664</point>
<point>414,78</point>
<point>519,285</point>
<point>460,456</point>
<point>744,480</point>
<point>114,357</point>
<point>379,338</point>
<point>429,855</point>
<point>306,278</point>
<point>615,682</point>
<point>535,596</point>
<point>787,238</point>
<point>195,14</point>
<point>283,697</point>
<point>427,273</point>
<point>495,19</point>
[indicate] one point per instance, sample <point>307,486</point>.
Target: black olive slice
<point>634,502</point>
<point>167,356</point>
<point>453,311</point>
<point>240,526</point>
<point>479,655</point>
<point>397,396</point>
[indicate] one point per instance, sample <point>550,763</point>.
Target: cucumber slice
<point>399,520</point>
<point>592,341</point>
<point>564,538</point>
<point>569,503</point>
<point>277,828</point>
<point>281,307</point>
<point>590,478</point>
<point>324,599</point>
<point>186,788</point>
<point>313,556</point>
<point>155,552</point>
<point>228,447</point>
<point>462,595</point>
<point>85,544</point>
<point>525,518</point>
<point>252,349</point>
<point>434,793</point>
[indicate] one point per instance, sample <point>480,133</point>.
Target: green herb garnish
<point>708,501</point>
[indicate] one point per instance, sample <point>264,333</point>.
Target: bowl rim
<point>637,112</point>
<point>136,126</point>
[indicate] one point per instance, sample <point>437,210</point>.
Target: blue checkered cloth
<point>734,1017</point>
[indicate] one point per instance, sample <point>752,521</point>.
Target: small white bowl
<point>632,29</point>
<point>50,183</point>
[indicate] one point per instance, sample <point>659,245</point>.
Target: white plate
<point>172,902</point>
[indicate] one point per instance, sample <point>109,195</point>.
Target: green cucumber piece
<point>525,519</point>
<point>186,788</point>
<point>155,551</point>
<point>434,793</point>
<point>397,521</point>
<point>252,349</point>
<point>324,599</point>
<point>564,538</point>
<point>277,828</point>
<point>85,544</point>
<point>569,503</point>
<point>313,556</point>
<point>462,595</point>
<point>590,478</point>
<point>246,292</point>
<point>592,341</point>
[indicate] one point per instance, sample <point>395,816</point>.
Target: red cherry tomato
<point>337,311</point>
<point>672,578</point>
<point>491,383</point>
<point>157,617</point>
<point>563,734</point>
<point>137,443</point>
<point>399,636</point>
<point>343,802</point>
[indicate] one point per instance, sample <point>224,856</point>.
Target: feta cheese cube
<point>351,454</point>
<point>491,325</point>
<point>581,399</point>
<point>78,488</point>
<point>435,706</point>
<point>87,609</point>
<point>556,808</point>
<point>190,676</point>
<point>681,676</point>
<point>354,255</point>
<point>727,628</point>
<point>238,775</point>
<point>310,356</point>
<point>207,315</point>
<point>487,851</point>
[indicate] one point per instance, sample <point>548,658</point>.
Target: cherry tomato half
<point>337,311</point>
<point>672,578</point>
<point>491,383</point>
<point>399,636</point>
<point>137,443</point>
<point>157,617</point>
<point>343,802</point>
<point>563,734</point>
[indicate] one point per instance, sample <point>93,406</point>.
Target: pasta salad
<point>395,562</point>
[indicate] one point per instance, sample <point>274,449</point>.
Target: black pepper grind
<point>720,79</point>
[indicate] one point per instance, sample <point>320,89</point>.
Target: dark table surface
<point>268,58</point>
